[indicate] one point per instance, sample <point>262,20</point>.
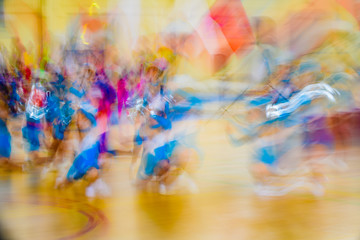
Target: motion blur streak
<point>179,119</point>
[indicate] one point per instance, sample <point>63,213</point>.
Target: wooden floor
<point>224,208</point>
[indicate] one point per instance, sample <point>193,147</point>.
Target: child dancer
<point>166,154</point>
<point>107,99</point>
<point>33,130</point>
<point>276,126</point>
<point>87,163</point>
<point>5,137</point>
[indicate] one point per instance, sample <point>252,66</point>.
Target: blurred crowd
<point>299,121</point>
<point>65,112</point>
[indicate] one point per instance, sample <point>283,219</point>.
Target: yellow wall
<point>23,17</point>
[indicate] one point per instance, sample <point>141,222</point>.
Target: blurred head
<point>88,74</point>
<point>82,121</point>
<point>153,74</point>
<point>85,119</point>
<point>101,76</point>
<point>4,109</point>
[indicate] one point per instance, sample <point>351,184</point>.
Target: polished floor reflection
<point>225,207</point>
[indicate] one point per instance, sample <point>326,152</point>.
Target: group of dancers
<point>295,125</point>
<point>68,115</point>
<point>295,122</point>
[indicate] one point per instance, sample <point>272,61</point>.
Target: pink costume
<point>122,93</point>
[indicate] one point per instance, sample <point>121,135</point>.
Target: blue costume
<point>164,151</point>
<point>59,86</point>
<point>161,153</point>
<point>89,155</point>
<point>32,132</point>
<point>86,160</point>
<point>52,107</point>
<point>77,90</point>
<point>5,140</point>
<point>63,120</point>
<point>14,97</point>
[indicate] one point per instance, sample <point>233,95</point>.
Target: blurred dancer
<point>14,98</point>
<point>105,107</point>
<point>122,92</point>
<point>308,109</point>
<point>165,154</point>
<point>5,137</point>
<point>33,130</point>
<point>60,135</point>
<point>282,122</point>
<point>87,163</point>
